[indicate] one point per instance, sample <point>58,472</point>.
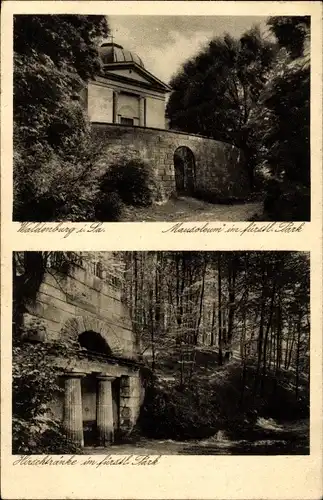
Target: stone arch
<point>185,170</point>
<point>95,342</point>
<point>77,325</point>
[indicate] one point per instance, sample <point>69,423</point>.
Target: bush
<point>206,406</point>
<point>131,180</point>
<point>35,383</point>
<point>285,202</point>
<point>41,436</point>
<point>56,185</point>
<point>109,208</point>
<point>171,413</point>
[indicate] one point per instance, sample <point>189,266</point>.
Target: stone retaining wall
<point>220,169</point>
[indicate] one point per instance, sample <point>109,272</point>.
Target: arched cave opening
<point>93,341</point>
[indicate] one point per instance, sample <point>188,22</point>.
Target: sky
<point>165,42</point>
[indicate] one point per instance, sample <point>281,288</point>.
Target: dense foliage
<point>213,402</point>
<point>54,154</point>
<point>282,121</point>
<point>255,94</point>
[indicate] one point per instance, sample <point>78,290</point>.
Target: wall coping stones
<point>152,129</point>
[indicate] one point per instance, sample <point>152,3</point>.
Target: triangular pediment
<point>135,74</point>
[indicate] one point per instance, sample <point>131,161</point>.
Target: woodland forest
<point>227,331</point>
<point>223,339</point>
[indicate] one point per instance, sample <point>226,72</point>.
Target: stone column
<point>73,418</point>
<point>104,410</point>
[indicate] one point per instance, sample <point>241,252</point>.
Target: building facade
<point>102,389</point>
<point>125,92</point>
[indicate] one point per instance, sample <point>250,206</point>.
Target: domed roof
<point>113,53</point>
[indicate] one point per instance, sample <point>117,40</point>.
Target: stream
<point>268,438</point>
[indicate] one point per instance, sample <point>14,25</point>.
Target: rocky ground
<point>191,209</point>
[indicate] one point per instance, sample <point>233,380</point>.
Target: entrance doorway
<point>184,164</point>
<point>89,409</point>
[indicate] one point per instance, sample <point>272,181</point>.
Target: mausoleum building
<point>126,106</point>
<point>126,92</point>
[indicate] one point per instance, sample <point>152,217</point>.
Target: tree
<point>54,153</point>
<point>291,32</point>
<point>214,93</point>
<point>281,122</point>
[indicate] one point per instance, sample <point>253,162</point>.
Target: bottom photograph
<point>161,353</point>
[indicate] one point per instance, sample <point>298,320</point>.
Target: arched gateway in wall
<point>185,175</point>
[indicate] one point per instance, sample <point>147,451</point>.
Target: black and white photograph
<point>161,118</point>
<point>161,353</point>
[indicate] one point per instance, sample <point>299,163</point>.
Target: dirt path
<point>191,209</point>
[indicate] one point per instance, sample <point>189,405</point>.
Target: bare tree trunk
<point>243,353</point>
<point>271,348</point>
<point>291,347</point>
<point>261,327</point>
<point>151,329</point>
<point>279,336</point>
<point>212,324</point>
<point>201,301</point>
<point>220,310</point>
<point>299,328</point>
<point>271,310</point>
<point>287,342</point>
<point>232,283</point>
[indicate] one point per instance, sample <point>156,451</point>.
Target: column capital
<point>72,374</point>
<point>104,376</point>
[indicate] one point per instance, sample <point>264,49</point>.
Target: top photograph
<point>161,118</point>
